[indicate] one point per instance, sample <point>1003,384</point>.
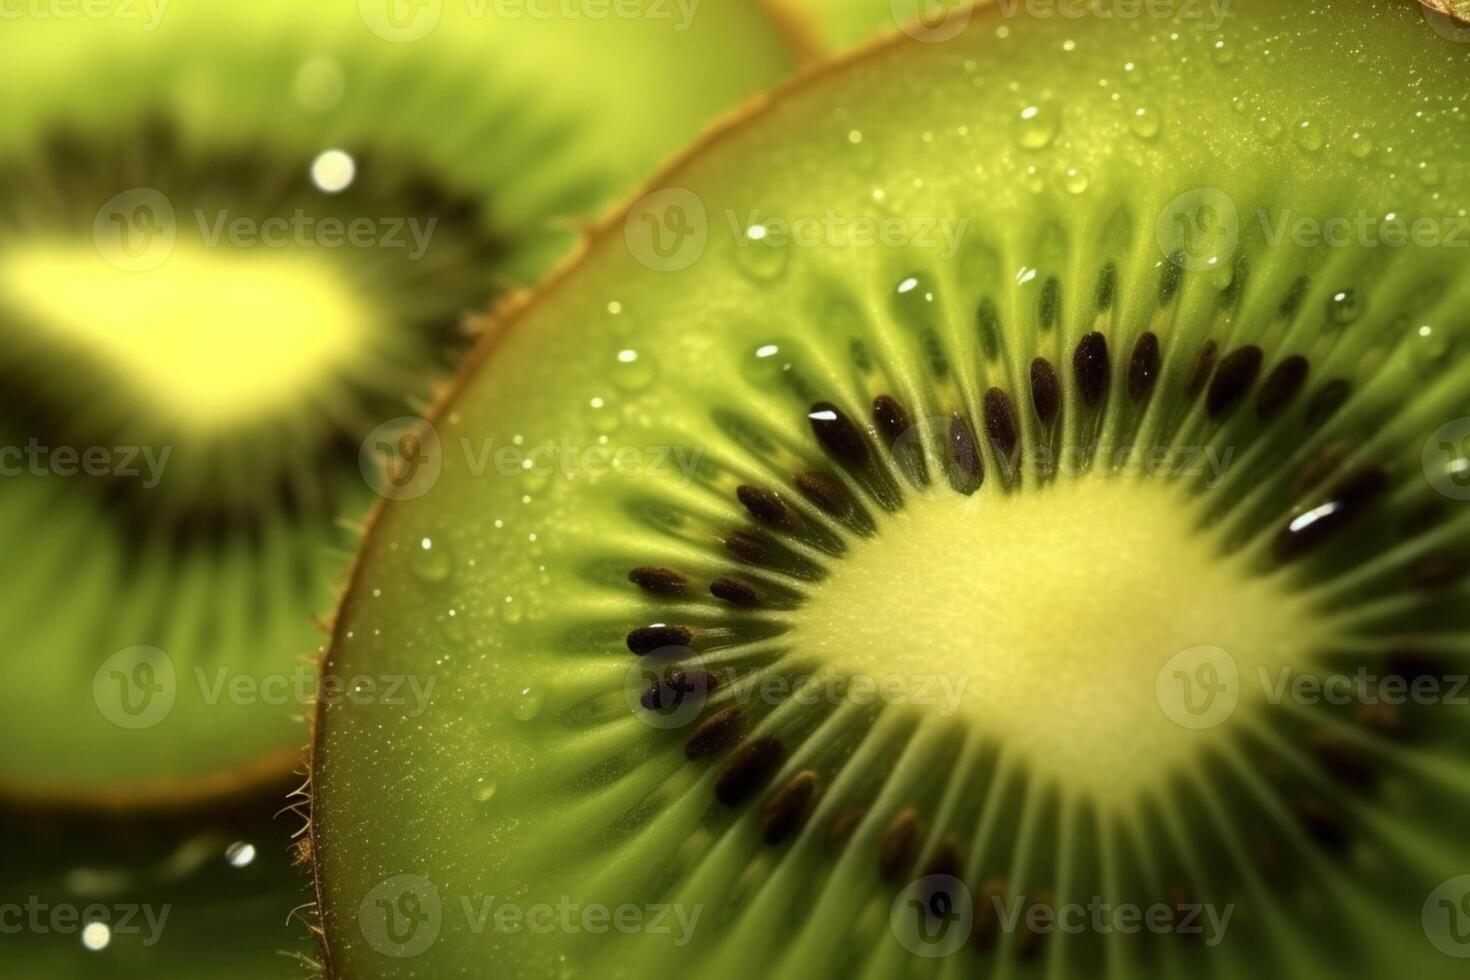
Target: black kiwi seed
<point>715,734</point>
<point>948,859</point>
<point>891,418</point>
<point>966,470</point>
<point>786,809</point>
<point>839,435</point>
<point>646,639</point>
<point>1281,386</point>
<point>1046,396</point>
<point>1323,826</point>
<point>1349,498</point>
<point>677,687</point>
<point>1001,426</point>
<point>659,580</point>
<point>825,493</point>
<point>1238,371</point>
<point>746,547</point>
<point>748,769</point>
<point>735,592</point>
<point>1091,366</point>
<point>893,421</point>
<point>1143,367</point>
<point>896,848</point>
<point>765,506</point>
<point>1202,368</point>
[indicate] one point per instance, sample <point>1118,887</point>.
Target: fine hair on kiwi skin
<point>805,390</point>
<point>225,559</point>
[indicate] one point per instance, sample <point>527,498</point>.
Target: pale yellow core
<point>211,337</point>
<point>1066,622</point>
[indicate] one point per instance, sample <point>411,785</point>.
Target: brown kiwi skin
<point>492,326</point>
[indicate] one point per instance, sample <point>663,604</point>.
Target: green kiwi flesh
<point>673,491</point>
<point>161,600</point>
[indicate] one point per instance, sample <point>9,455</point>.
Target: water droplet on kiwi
<point>1428,173</point>
<point>760,256</point>
<point>1076,181</point>
<point>1343,307</point>
<point>1309,136</point>
<point>764,364</point>
<point>599,414</point>
<point>1221,53</point>
<point>1037,126</point>
<point>912,302</point>
<point>1270,128</point>
<point>636,369</point>
<point>429,559</point>
<point>1132,72</point>
<point>1360,145</point>
<point>1430,346</point>
<point>484,790</point>
<point>527,704</point>
<point>1146,122</point>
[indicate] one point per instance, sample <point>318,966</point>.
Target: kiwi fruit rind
<point>836,25</point>
<point>818,571</point>
<point>182,298</point>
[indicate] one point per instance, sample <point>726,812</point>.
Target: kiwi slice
<point>232,244</point>
<point>941,555</point>
<point>210,896</point>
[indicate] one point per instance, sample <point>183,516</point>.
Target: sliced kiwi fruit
<point>232,243</point>
<point>161,900</point>
<point>976,536</point>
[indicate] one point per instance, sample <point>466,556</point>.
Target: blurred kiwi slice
<point>234,239</point>
<point>944,547</point>
<point>155,900</point>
